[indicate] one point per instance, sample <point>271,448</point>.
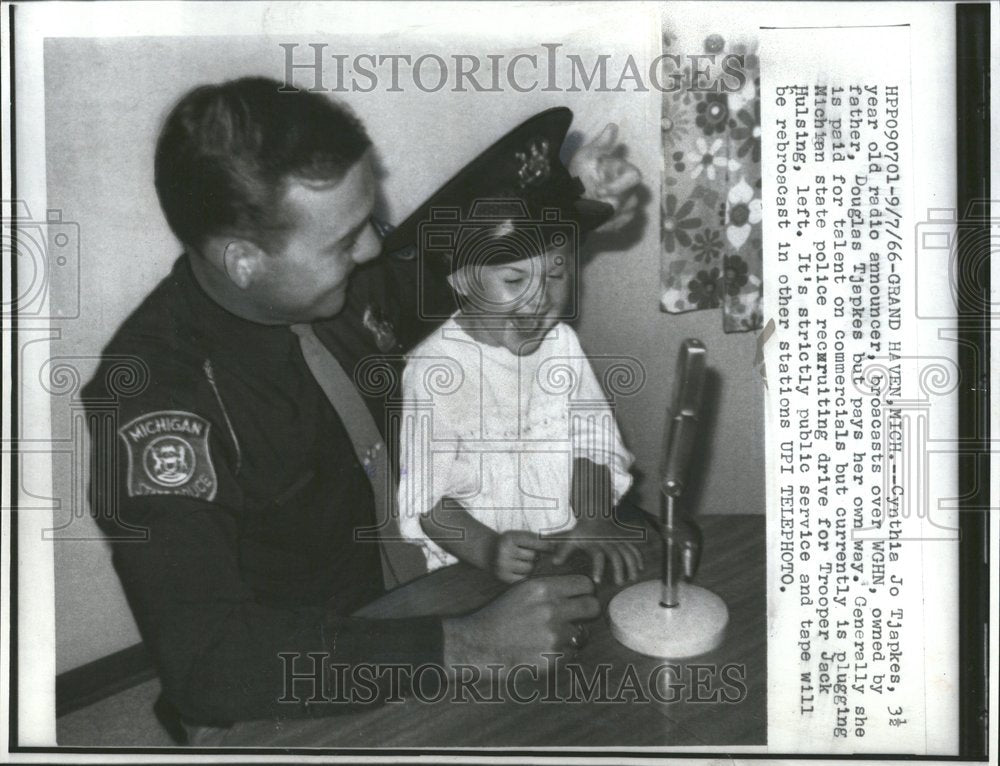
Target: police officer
<point>243,482</point>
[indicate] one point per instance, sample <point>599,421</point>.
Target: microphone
<point>685,412</point>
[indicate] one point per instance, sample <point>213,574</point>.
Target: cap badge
<point>503,228</point>
<point>534,167</point>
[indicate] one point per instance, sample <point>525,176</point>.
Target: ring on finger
<point>579,639</point>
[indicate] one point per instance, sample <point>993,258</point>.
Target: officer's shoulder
<point>149,354</point>
<point>165,420</point>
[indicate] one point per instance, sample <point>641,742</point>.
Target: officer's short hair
<point>226,153</point>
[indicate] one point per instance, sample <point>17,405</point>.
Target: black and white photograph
<point>505,379</point>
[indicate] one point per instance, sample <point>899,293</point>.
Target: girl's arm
<point>591,493</point>
<point>597,532</point>
<point>459,534</point>
<point>510,556</point>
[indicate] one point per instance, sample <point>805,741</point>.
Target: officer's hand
<point>532,618</point>
<point>517,553</point>
<point>601,540</point>
<point>608,177</point>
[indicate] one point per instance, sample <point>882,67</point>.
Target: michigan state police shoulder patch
<point>168,455</point>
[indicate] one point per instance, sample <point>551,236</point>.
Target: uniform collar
<point>224,331</point>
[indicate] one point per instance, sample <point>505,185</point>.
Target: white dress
<point>499,432</point>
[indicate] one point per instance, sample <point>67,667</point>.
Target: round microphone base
<point>695,626</point>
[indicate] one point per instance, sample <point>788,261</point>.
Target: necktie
<point>399,560</point>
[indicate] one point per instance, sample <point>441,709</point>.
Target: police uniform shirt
<point>236,468</point>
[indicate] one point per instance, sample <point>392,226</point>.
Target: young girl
<point>508,446</point>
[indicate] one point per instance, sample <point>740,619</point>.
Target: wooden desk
<point>732,565</point>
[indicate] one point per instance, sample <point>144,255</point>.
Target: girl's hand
<point>601,540</point>
<point>517,553</point>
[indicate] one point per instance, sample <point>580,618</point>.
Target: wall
<point>618,318</point>
<point>105,99</point>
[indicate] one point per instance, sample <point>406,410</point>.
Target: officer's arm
<point>223,656</point>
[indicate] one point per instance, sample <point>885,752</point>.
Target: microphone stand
<point>665,618</point>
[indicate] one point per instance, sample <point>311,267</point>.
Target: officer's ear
<point>242,261</point>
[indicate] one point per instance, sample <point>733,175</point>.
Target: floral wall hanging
<point>710,206</point>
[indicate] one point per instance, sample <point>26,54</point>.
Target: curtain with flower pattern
<point>710,194</point>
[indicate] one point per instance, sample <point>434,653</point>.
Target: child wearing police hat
<point>509,449</point>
